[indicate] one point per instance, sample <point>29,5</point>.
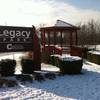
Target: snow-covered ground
<point>85,86</point>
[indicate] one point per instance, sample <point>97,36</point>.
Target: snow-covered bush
<point>94,56</point>
<point>27,66</point>
<point>7,67</point>
<point>70,65</point>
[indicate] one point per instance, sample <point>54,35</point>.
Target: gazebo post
<point>71,39</point>
<point>71,42</point>
<point>76,42</point>
<point>61,38</point>
<point>36,52</point>
<point>48,38</point>
<point>54,37</point>
<point>43,39</point>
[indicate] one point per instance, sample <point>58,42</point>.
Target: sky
<point>85,4</point>
<point>39,12</point>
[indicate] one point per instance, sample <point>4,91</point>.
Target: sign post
<point>36,53</point>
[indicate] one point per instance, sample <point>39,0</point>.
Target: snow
<point>63,24</point>
<point>95,52</point>
<point>85,86</point>
<point>67,57</point>
<point>70,58</point>
<point>98,47</point>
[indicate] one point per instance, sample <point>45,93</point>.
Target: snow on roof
<point>63,24</point>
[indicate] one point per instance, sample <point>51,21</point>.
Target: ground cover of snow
<point>85,86</point>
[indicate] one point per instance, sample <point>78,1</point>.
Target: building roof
<point>60,26</point>
<point>63,24</point>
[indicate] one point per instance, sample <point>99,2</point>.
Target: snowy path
<point>85,86</point>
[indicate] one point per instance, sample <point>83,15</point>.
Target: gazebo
<point>62,34</point>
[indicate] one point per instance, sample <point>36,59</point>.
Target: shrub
<point>27,66</point>
<point>54,60</point>
<point>24,78</point>
<point>94,58</point>
<point>11,83</point>
<point>8,83</point>
<point>89,56</point>
<point>7,67</point>
<point>71,67</point>
<point>39,77</point>
<point>51,76</point>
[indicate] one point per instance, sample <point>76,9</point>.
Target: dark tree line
<point>89,33</point>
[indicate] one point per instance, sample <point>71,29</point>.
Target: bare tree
<point>89,33</point>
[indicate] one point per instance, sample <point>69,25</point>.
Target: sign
<point>16,38</point>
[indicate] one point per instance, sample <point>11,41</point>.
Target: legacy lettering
<point>16,33</point>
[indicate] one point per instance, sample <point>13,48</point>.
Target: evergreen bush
<point>70,67</point>
<point>7,67</point>
<point>94,58</point>
<point>27,66</point>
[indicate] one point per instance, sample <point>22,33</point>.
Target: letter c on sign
<point>9,46</point>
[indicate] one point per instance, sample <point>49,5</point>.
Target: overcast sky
<point>36,12</point>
